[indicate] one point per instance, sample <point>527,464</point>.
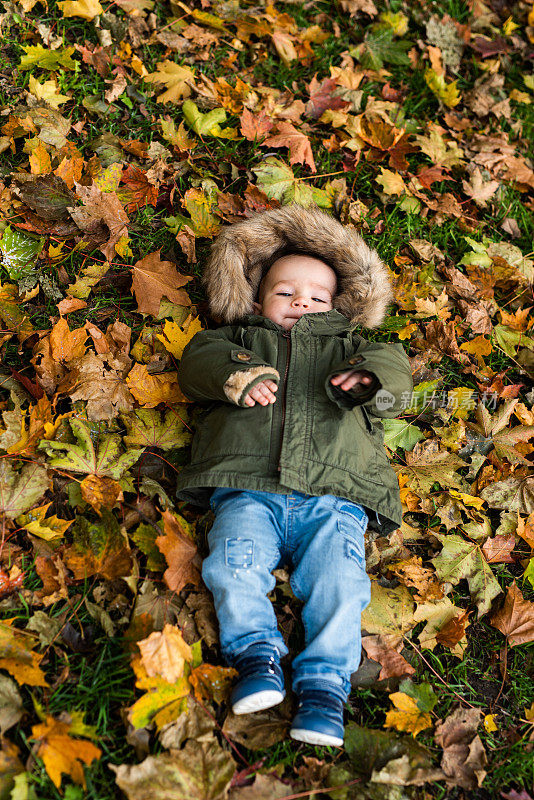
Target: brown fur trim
<point>242,253</point>
<point>239,381</point>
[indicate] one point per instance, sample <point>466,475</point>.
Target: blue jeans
<point>322,540</point>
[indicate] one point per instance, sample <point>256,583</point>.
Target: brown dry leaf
<point>141,191</point>
<point>384,649</point>
<point>298,143</point>
<point>70,304</point>
<point>499,549</point>
<point>53,574</point>
<point>154,279</point>
<point>259,730</point>
<point>151,390</point>
<point>516,618</point>
<point>412,573</point>
<point>99,379</point>
<point>101,491</point>
<point>270,787</point>
<point>478,189</point>
<point>101,210</point>
<point>322,97</point>
<point>255,126</point>
<point>180,552</point>
<point>165,653</point>
<point>453,631</point>
<point>464,758</point>
<point>441,336</point>
<point>61,754</point>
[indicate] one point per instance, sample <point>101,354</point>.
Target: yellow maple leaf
<point>391,182</point>
<point>467,499</point>
<point>408,717</point>
<point>35,523</point>
<point>17,659</point>
<point>479,346</point>
<point>407,331</point>
<point>86,9</point>
<point>175,79</point>
<point>47,91</point>
<point>61,754</point>
<point>460,400</point>
<point>446,92</point>
<point>150,390</point>
<point>175,337</point>
<point>162,703</point>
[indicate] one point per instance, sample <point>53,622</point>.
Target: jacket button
<point>243,356</point>
<point>356,360</point>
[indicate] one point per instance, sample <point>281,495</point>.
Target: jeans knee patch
<point>239,552</point>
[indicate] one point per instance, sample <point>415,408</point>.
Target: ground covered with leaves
<point>130,134</point>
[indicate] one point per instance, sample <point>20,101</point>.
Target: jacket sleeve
<point>215,367</point>
<point>392,384</point>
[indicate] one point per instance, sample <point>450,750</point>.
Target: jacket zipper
<point>287,337</point>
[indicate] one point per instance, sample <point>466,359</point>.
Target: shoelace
<point>252,665</point>
<point>317,699</point>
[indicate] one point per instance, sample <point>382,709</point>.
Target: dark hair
<point>282,253</point>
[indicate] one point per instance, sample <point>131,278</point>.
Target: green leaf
<point>38,56</point>
<point>422,693</point>
<point>145,539</point>
<point>148,427</point>
<point>401,433</point>
<point>276,179</point>
<point>421,396</point>
<point>462,559</point>
<point>103,458</point>
<point>203,124</point>
<point>21,490</point>
<point>380,47</point>
<point>20,252</point>
<point>529,572</point>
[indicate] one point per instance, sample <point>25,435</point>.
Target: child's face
<point>296,285</point>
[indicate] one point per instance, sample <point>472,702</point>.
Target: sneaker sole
<point>314,737</point>
<point>259,701</point>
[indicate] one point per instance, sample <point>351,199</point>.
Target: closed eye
<point>288,294</point>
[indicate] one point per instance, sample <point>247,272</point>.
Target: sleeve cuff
<point>239,383</point>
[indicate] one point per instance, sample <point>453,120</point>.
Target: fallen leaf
<point>516,618</point>
<point>181,553</point>
<point>154,279</point>
<point>165,653</point>
<point>61,754</point>
<point>175,77</point>
<point>464,758</point>
<point>200,771</point>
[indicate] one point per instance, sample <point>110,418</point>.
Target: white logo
<point>384,399</point>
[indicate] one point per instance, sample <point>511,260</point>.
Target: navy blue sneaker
<point>261,680</point>
<point>319,719</point>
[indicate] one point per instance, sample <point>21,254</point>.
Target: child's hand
<point>346,380</point>
<point>262,392</point>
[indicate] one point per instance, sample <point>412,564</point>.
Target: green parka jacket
<point>315,438</point>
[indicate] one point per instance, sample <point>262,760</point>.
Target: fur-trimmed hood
<point>243,252</point>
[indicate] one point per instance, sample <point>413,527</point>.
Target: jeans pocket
<point>352,524</point>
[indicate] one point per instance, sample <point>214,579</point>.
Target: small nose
<point>300,302</point>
